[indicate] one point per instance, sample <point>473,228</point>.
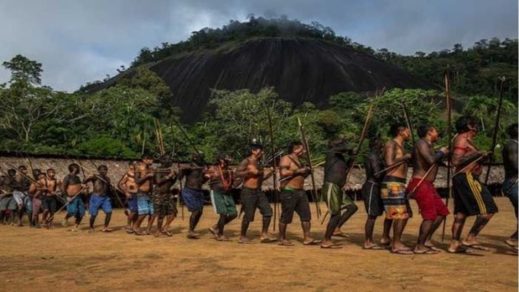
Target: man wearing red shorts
<point>421,188</point>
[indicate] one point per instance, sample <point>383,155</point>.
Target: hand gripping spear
<point>362,137</point>
<point>309,159</point>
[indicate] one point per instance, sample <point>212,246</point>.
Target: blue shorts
<point>144,204</point>
<point>27,202</point>
<point>76,207</point>
<point>132,204</point>
<point>193,199</point>
<point>99,202</point>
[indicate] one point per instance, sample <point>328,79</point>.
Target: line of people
<point>149,191</point>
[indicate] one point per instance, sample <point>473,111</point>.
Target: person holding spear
<point>421,187</point>
<point>471,198</point>
<point>392,190</point>
<point>340,206</point>
<point>510,184</point>
<point>73,188</point>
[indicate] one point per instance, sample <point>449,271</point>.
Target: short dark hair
<point>512,130</point>
<point>423,129</point>
<point>102,166</point>
<point>463,123</point>
<point>396,128</point>
<point>293,145</point>
<point>73,166</point>
<point>11,171</point>
<point>50,169</point>
<point>22,167</point>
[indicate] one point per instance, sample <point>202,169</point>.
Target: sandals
<point>312,242</point>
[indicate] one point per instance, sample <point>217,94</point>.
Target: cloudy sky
<point>80,41</point>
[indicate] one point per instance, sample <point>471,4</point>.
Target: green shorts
<point>335,198</point>
<point>223,204</point>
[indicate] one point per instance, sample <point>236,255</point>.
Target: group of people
<point>149,191</point>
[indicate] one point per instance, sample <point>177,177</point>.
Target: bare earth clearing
<point>44,260</point>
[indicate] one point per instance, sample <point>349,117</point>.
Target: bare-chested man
<point>49,201</point>
<point>21,195</point>
<point>38,191</point>
<point>144,179</point>
<point>252,197</point>
<point>421,187</point>
<point>163,203</point>
<point>393,187</point>
<point>293,195</point>
<point>220,182</point>
<point>340,206</point>
<point>471,198</point>
<point>510,158</point>
<point>129,187</point>
<point>192,193</point>
<point>72,187</point>
<point>374,165</point>
<point>99,198</point>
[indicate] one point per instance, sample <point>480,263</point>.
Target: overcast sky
<point>80,41</point>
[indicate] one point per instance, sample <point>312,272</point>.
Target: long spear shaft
<point>449,135</point>
<point>183,131</point>
<point>496,128</point>
<point>274,174</point>
<point>408,122</point>
<point>309,158</point>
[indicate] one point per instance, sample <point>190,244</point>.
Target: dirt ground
<point>57,259</point>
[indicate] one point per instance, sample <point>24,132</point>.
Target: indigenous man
<point>72,187</point>
<point>144,179</point>
<point>293,195</point>
<point>340,206</point>
<point>471,198</point>
<point>393,186</point>
<point>129,187</point>
<point>163,203</point>
<point>7,202</point>
<point>37,190</point>
<point>20,193</point>
<point>220,182</point>
<point>192,193</point>
<point>49,201</point>
<point>510,184</point>
<point>251,196</point>
<point>373,165</point>
<point>421,187</point>
<point>99,198</point>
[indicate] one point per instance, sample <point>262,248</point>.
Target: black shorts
<point>49,204</point>
<point>471,197</point>
<point>252,199</point>
<point>372,200</point>
<point>294,200</point>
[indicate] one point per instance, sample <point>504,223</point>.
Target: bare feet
<point>266,238</point>
<point>107,229</point>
